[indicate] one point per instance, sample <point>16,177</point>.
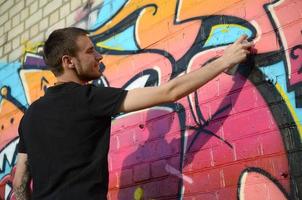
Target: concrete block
<point>33,7</point>
<point>33,19</point>
<point>64,10</point>
<point>51,7</point>
<point>54,17</point>
<point>43,24</point>
<point>15,54</point>
<point>16,9</point>
<point>24,14</point>
<point>15,31</point>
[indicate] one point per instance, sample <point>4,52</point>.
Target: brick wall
<point>238,137</point>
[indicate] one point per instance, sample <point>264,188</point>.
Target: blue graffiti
<point>123,41</point>
<point>106,12</point>
<point>225,34</point>
<point>276,74</point>
<point>9,77</point>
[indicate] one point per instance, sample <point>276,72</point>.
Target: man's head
<point>70,49</point>
<point>59,43</point>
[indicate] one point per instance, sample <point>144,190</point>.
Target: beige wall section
<point>32,20</point>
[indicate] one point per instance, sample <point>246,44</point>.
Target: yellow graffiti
<point>291,109</point>
<point>139,194</point>
<point>32,47</point>
<point>155,23</point>
<point>33,82</point>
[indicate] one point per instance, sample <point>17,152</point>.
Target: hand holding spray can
<point>232,71</point>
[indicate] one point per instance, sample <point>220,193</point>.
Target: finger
<point>247,51</point>
<point>241,39</point>
<point>246,44</point>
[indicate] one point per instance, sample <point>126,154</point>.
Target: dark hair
<point>59,43</point>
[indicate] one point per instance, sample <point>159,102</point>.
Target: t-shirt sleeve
<point>21,144</point>
<point>104,101</point>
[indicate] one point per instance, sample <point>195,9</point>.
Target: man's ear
<point>67,62</point>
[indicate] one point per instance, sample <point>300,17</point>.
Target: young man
<point>64,136</point>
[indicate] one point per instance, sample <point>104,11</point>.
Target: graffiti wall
<point>238,137</point>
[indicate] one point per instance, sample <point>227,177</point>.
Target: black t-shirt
<point>66,137</point>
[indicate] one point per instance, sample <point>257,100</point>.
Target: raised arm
<point>177,88</point>
<point>21,182</point>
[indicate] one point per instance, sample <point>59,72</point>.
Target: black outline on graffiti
<point>264,173</point>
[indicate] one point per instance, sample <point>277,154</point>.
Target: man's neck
<point>64,79</point>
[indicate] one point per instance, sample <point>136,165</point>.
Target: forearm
<point>186,84</point>
<point>22,193</point>
<point>22,190</point>
<point>21,182</point>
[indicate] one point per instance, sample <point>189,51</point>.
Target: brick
<point>4,58</point>
<point>42,3</point>
<point>227,193</point>
<point>218,108</point>
<point>33,19</point>
<point>125,139</point>
<point>199,179</point>
<point>43,24</point>
<point>33,7</point>
<point>1,50</point>
<point>38,38</point>
<point>54,17</point>
<point>284,17</point>
<point>15,54</point>
<point>16,9</point>
<point>75,4</point>
<point>16,20</point>
<point>60,24</point>
<point>151,189</point>
<point>125,178</point>
<point>24,14</point>
<point>223,155</point>
<point>6,6</point>
<point>244,126</point>
<point>1,30</point>
<point>244,100</point>
<point>25,36</point>
<point>64,10</point>
<point>158,127</point>
<point>231,174</point>
<point>156,150</point>
<point>212,86</point>
<point>247,148</point>
<point>204,196</point>
<point>125,193</point>
<point>141,172</point>
<point>51,7</point>
<point>29,2</point>
<point>169,187</point>
<point>3,18</point>
<point>158,168</point>
<point>3,39</point>
<point>200,160</point>
<point>7,47</point>
<point>128,157</point>
<point>34,30</point>
<point>267,139</point>
<point>16,42</point>
<point>15,31</point>
<point>7,26</point>
<point>113,180</point>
